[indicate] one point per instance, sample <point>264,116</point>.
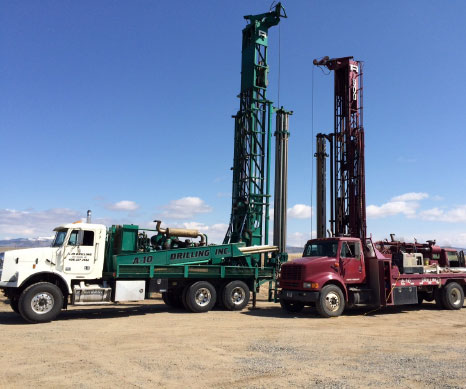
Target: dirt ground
<point>151,345</point>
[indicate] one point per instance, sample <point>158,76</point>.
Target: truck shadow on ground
<point>310,312</point>
<point>111,312</point>
<point>98,312</point>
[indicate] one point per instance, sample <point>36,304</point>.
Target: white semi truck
<point>90,264</point>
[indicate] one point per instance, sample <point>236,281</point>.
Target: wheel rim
<point>203,297</point>
<point>332,301</point>
<point>237,295</point>
<point>455,296</point>
<point>42,303</point>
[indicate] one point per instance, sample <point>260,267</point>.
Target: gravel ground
<point>148,345</point>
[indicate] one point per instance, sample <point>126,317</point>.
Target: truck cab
<point>328,266</point>
<point>76,254</point>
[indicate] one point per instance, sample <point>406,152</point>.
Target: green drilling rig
<point>249,221</point>
<point>92,264</point>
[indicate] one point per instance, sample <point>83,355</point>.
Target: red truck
<point>347,269</point>
<point>335,273</point>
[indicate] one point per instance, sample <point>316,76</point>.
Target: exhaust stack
<point>281,180</point>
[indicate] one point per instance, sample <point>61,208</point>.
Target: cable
<point>312,149</point>
<point>279,62</point>
<point>388,297</point>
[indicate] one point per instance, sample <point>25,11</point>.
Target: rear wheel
<point>184,294</point>
<point>331,301</point>
<point>172,298</point>
<point>235,295</point>
<point>201,296</point>
<point>438,298</point>
<point>420,298</point>
<point>292,306</point>
<point>453,296</point>
<point>41,302</point>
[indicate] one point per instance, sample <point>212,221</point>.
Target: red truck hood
<point>308,268</point>
<point>311,260</point>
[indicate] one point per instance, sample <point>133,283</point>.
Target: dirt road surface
<point>151,345</point>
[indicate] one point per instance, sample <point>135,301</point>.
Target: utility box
<point>409,263</point>
<point>403,295</point>
<point>130,290</point>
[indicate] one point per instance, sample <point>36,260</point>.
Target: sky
<point>124,108</point>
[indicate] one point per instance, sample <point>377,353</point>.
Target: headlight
<point>310,285</point>
<point>307,285</point>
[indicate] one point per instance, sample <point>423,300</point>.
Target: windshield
<point>59,238</point>
<point>321,249</point>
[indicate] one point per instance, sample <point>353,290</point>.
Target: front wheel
<point>331,301</point>
<point>41,302</point>
<point>438,297</point>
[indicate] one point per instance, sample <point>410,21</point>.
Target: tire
<point>41,302</point>
<point>420,298</point>
<point>172,298</point>
<point>453,296</point>
<point>220,289</point>
<point>331,301</point>
<point>183,297</point>
<point>292,306</point>
<point>201,296</point>
<point>14,302</point>
<point>438,298</point>
<point>235,295</point>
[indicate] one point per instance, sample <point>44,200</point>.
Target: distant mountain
<point>292,250</point>
<point>26,242</point>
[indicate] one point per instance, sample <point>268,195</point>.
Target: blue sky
<point>124,107</point>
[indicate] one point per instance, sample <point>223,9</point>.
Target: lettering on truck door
<point>79,252</point>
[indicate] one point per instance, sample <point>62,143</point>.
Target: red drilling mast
<point>347,175</point>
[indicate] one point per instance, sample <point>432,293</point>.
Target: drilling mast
<point>251,161</point>
<point>347,174</point>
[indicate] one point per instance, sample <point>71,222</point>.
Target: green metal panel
<point>250,193</point>
<point>129,238</point>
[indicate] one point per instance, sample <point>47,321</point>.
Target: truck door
<point>79,252</point>
<point>352,262</point>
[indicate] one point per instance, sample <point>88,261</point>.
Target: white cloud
<point>444,238</point>
<point>31,223</point>
<point>392,208</point>
<point>405,204</point>
<point>454,240</point>
<point>300,211</point>
<point>124,205</point>
<point>411,196</point>
<point>215,232</point>
<point>454,215</point>
<point>185,208</point>
<point>298,239</point>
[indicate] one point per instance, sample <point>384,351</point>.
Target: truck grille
<point>289,284</point>
<point>292,272</point>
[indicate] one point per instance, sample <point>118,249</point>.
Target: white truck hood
<point>24,259</point>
